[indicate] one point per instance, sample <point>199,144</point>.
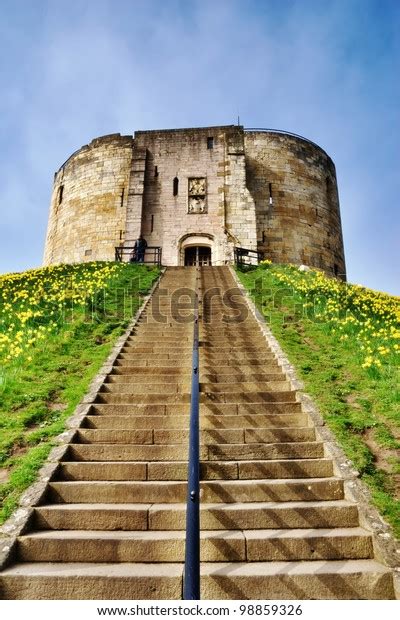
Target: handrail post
<point>191,585</point>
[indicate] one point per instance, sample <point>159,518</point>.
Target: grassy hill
<point>345,343</point>
<point>57,326</point>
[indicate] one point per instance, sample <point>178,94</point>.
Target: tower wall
<point>302,225</point>
<point>88,204</point>
<point>215,186</point>
<point>215,157</point>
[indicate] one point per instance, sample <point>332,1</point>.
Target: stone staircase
<point>275,522</point>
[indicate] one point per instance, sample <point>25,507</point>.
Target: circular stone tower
<point>293,184</point>
<point>88,204</point>
<point>260,189</point>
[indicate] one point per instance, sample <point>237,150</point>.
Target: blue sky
<point>326,69</point>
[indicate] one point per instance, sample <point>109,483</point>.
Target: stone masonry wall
<point>214,186</point>
<point>88,206</point>
<point>185,154</point>
<point>302,225</point>
<point>240,213</point>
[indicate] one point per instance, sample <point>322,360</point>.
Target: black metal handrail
<point>245,256</point>
<point>152,255</point>
<point>191,584</point>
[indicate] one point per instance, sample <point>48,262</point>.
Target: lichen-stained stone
<point>209,187</point>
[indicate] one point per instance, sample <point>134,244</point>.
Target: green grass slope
<point>344,342</point>
<point>57,327</point>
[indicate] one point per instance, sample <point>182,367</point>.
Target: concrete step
<point>217,452</point>
<point>236,349</point>
<point>233,337</point>
<point>318,580</point>
<point>166,337</point>
<point>238,376</point>
<point>110,492</point>
<point>124,375</point>
<point>205,397</point>
<point>235,357</point>
<point>221,515</point>
<point>135,546</point>
<point>132,361</point>
<point>215,470</point>
<point>169,371</point>
<point>127,452</point>
<point>215,545</point>
<point>261,451</point>
<point>246,386</point>
<point>216,409</point>
<point>207,437</point>
<point>140,387</point>
<point>312,544</point>
<point>147,350</point>
<point>132,355</point>
<point>181,422</point>
<point>169,387</point>
<point>226,366</point>
<point>160,436</point>
<point>75,581</point>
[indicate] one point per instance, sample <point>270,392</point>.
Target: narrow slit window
<point>210,142</point>
<point>175,186</point>
<point>270,193</point>
<point>152,224</point>
<point>120,235</point>
<point>156,171</point>
<point>335,269</point>
<point>122,196</point>
<point>60,194</point>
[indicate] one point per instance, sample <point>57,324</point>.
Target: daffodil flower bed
<point>57,326</point>
<point>344,341</point>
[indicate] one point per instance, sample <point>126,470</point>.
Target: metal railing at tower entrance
<point>245,256</point>
<point>127,254</point>
<point>191,582</point>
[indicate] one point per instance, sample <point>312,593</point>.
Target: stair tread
<point>128,535</point>
<point>209,506</point>
<point>170,569</point>
<point>181,534</point>
<point>202,462</point>
<point>166,483</point>
<point>77,569</point>
<point>180,445</point>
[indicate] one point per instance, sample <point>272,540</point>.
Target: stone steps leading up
<point>318,580</point>
<point>181,422</point>
<point>235,515</point>
<point>205,397</point>
<point>275,519</point>
<point>216,409</point>
<point>207,437</point>
<point>216,452</point>
<point>171,491</point>
<point>177,470</point>
<point>215,545</point>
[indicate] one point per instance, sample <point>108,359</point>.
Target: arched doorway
<point>197,255</point>
<point>196,249</point>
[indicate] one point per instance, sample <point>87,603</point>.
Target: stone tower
<point>198,193</point>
